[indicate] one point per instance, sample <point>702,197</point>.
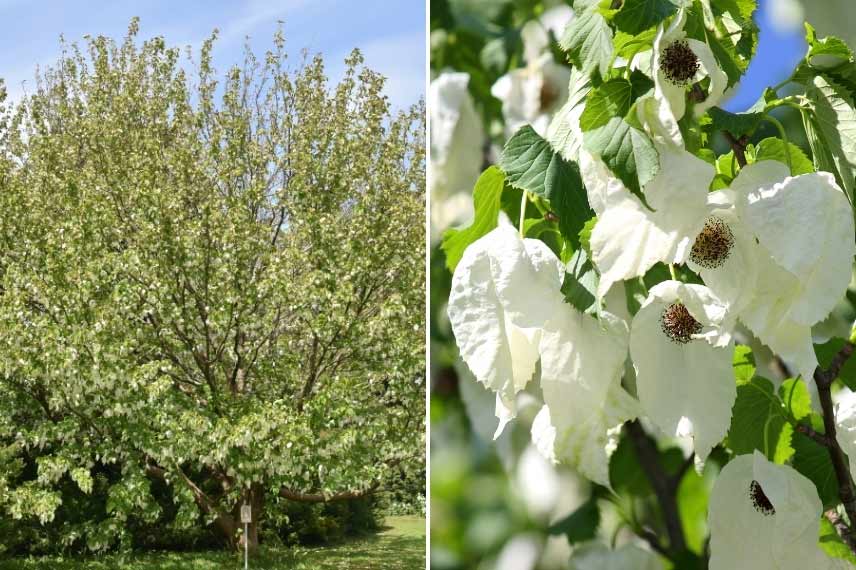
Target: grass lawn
<point>400,545</point>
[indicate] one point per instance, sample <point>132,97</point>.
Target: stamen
<point>713,244</point>
<point>679,63</point>
<point>759,500</point>
<point>678,324</point>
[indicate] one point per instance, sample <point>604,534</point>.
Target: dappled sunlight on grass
<point>400,545</point>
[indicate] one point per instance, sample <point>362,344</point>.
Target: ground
<point>400,545</point>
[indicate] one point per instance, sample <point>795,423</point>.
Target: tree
<point>219,285</point>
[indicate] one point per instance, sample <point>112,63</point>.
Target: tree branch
<point>738,146</point>
<point>841,528</point>
<point>824,379</point>
<point>299,496</point>
<point>663,486</point>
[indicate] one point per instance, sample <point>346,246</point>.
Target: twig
<point>738,146</point>
<point>841,528</point>
<point>810,432</point>
<point>824,379</point>
<point>663,486</point>
<point>650,537</point>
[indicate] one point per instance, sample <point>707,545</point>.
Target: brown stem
<point>738,146</point>
<point>824,379</point>
<point>299,496</point>
<point>841,528</point>
<point>663,485</point>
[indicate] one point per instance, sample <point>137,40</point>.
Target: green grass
<point>400,545</point>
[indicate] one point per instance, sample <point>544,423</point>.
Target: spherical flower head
<point>713,245</point>
<point>682,356</point>
<point>679,62</point>
<point>764,516</point>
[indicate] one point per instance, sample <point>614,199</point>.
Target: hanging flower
<point>456,149</point>
<point>629,238</point>
<point>764,515</point>
<point>683,357</point>
<point>777,251</point>
<point>595,556</point>
<point>504,290</point>
<point>679,64</point>
<point>582,362</point>
<point>532,94</point>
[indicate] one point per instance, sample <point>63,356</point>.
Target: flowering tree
<point>217,292</point>
<point>651,289</point>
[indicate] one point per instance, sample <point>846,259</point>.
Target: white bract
<point>532,94</point>
<point>582,362</point>
<point>845,433</point>
<point>628,238</point>
<point>504,290</point>
<point>456,149</point>
<point>683,357</point>
<point>806,224</point>
<point>764,516</point>
<point>627,557</point>
<point>677,64</point>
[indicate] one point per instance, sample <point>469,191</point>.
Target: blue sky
<point>391,33</point>
<point>777,56</point>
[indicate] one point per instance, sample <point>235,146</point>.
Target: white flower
<point>777,250</point>
<point>679,62</point>
<point>582,362</point>
<point>530,95</point>
<point>628,238</point>
<point>764,516</point>
<point>596,556</point>
<point>456,149</point>
<point>683,357</point>
<point>503,291</point>
<point>845,433</point>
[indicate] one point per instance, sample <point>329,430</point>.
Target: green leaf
<point>626,150</point>
<point>744,364</point>
<point>588,41</point>
<point>487,196</point>
<point>812,461</point>
<point>795,397</point>
<point>627,45</point>
<point>636,16</point>
<point>758,421</point>
<point>580,284</point>
<point>773,148</point>
<point>531,164</point>
<point>580,525</point>
<point>825,52</point>
<point>562,132</point>
<point>832,544</point>
<point>738,124</point>
<point>585,235</point>
<point>834,122</point>
<point>611,99</point>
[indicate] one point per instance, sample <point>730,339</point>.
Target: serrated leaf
<point>580,284</point>
<point>826,52</point>
<point>563,132</point>
<point>812,461</point>
<point>744,364</point>
<point>758,421</point>
<point>773,148</point>
<point>531,164</point>
<point>738,124</point>
<point>588,41</point>
<point>636,16</point>
<point>487,196</point>
<point>627,45</point>
<point>580,525</point>
<point>611,99</point>
<point>626,150</point>
<point>835,122</point>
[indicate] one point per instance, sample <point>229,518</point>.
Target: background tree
<point>218,285</point>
